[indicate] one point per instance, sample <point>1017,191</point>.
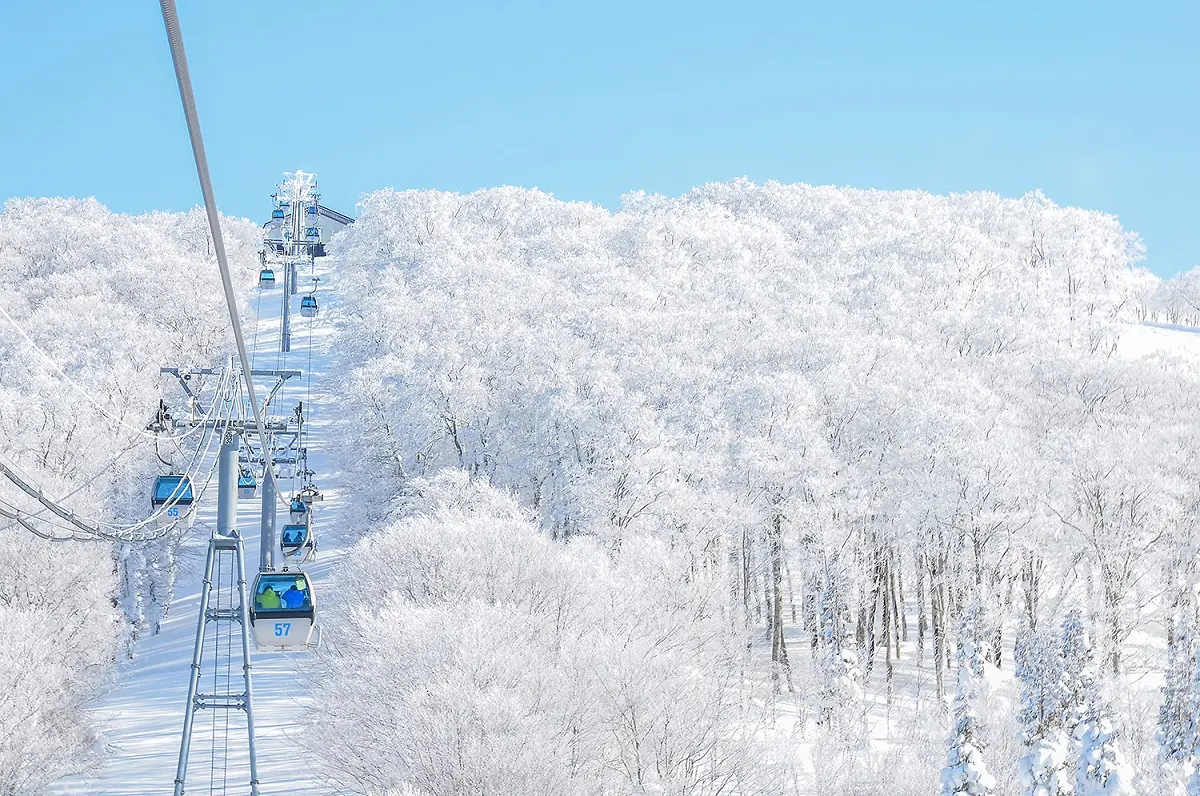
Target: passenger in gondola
<point>294,597</point>
<point>269,598</point>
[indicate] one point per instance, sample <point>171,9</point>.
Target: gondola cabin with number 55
<point>283,610</point>
<point>173,501</point>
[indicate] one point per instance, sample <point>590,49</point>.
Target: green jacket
<point>269,599</point>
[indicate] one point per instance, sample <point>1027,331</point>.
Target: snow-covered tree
<point>1078,675</point>
<point>1102,768</point>
<point>1186,727</point>
<point>966,773</point>
<point>1177,720</point>
<point>839,694</point>
<point>1044,767</point>
<point>764,376</point>
<point>472,653</point>
<point>98,302</point>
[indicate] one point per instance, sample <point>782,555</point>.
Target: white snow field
<point>1151,338</point>
<point>141,718</point>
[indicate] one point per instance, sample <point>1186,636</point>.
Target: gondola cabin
<point>308,306</point>
<point>298,510</point>
<point>247,486</point>
<point>311,210</point>
<point>297,540</point>
<point>266,278</point>
<point>312,232</point>
<point>174,497</point>
<point>283,610</point>
<point>277,213</point>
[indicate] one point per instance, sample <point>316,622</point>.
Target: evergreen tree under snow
<point>965,773</point>
<point>1043,700</point>
<point>1176,715</point>
<point>1102,768</point>
<point>1078,675</point>
<point>1189,732</point>
<point>841,691</point>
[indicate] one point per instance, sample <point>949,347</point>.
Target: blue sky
<point>1095,103</point>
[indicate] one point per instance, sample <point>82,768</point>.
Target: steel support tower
<point>225,544</point>
<point>299,191</point>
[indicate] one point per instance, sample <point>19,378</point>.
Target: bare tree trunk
<point>765,607</point>
<point>812,621</point>
<point>735,587</point>
<point>746,574</point>
<point>779,659</point>
<point>897,601</point>
<point>876,586</point>
<point>791,593</point>
<point>1031,575</point>
<point>886,627</point>
<point>1112,599</point>
<point>949,607</point>
<point>922,621</point>
<point>937,605</point>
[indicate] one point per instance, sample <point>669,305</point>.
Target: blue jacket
<point>293,598</point>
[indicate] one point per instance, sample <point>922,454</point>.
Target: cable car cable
<point>88,482</point>
<point>257,326</point>
<point>308,370</point>
<point>184,80</point>
<point>91,526</point>
<point>27,486</point>
<point>15,514</point>
<point>22,518</point>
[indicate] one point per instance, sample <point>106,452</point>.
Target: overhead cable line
<point>257,326</point>
<point>16,515</point>
<point>192,470</point>
<point>80,390</point>
<point>184,79</point>
<point>96,529</point>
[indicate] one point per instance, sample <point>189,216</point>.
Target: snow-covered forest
<point>106,300</point>
<point>1175,300</point>
<point>765,489</point>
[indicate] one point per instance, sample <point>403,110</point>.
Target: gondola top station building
<point>311,228</point>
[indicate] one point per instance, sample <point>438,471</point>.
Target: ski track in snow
<point>141,718</point>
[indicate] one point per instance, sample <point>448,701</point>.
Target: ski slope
<point>142,716</point>
<point>1153,338</point>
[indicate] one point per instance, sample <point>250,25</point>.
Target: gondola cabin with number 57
<point>283,610</point>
